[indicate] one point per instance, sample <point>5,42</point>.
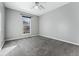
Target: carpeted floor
<point>39,46</point>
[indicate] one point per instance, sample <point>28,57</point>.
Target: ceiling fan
<point>37,5</point>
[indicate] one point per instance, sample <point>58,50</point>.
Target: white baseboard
<point>47,37</point>
<point>19,38</point>
<point>60,40</point>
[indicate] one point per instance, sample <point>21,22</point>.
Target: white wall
<point>2,20</point>
<point>62,23</point>
<point>34,25</point>
<point>14,25</point>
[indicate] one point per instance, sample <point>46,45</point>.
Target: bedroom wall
<point>14,25</point>
<point>61,24</point>
<point>2,24</point>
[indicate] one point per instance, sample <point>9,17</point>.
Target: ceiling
<point>27,7</point>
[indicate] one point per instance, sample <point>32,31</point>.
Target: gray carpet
<point>40,46</point>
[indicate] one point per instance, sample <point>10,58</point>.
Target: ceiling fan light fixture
<point>38,6</point>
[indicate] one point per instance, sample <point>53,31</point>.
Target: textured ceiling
<point>27,7</point>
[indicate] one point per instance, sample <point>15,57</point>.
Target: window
<point>26,24</point>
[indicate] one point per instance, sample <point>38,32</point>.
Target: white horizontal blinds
<point>26,16</point>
